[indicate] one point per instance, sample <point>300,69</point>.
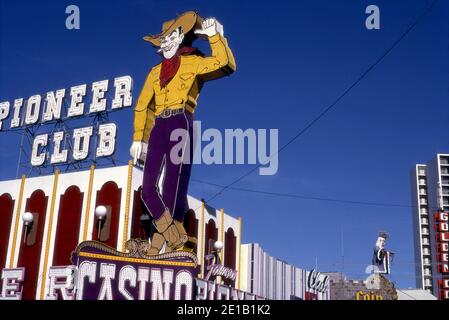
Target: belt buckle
<point>166,113</point>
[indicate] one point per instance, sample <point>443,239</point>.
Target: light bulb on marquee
<point>28,218</point>
<point>101,212</point>
<point>218,245</point>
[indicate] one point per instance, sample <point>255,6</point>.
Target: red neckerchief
<point>171,66</point>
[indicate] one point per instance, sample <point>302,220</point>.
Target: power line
<point>336,101</point>
<point>366,264</point>
<point>298,196</point>
<point>413,298</point>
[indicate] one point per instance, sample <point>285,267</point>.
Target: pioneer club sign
<point>63,105</point>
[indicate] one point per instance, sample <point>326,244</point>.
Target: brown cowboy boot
<point>167,228</point>
<point>167,249</point>
<point>182,231</point>
<point>157,241</point>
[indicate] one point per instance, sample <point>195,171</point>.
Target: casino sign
<point>100,272</point>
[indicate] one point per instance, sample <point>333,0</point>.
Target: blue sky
<point>294,58</point>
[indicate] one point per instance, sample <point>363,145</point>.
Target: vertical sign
<point>442,252</point>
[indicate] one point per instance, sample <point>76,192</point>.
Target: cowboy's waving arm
<point>222,61</point>
<point>142,116</point>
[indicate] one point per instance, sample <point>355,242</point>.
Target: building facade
<point>63,209</point>
<point>63,206</point>
<point>421,228</point>
<point>430,195</point>
<point>274,279</point>
<point>415,294</point>
<point>375,287</point>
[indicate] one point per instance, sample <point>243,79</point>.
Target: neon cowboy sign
<point>40,110</point>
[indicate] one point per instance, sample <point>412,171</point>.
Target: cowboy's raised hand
<point>209,27</point>
<point>136,151</point>
<point>220,28</point>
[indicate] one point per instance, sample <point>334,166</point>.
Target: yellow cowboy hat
<point>187,21</point>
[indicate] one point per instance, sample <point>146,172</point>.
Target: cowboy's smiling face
<point>170,44</point>
<point>380,242</point>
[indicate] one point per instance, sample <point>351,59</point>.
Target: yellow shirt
<point>184,89</point>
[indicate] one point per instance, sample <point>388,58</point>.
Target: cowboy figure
<point>381,257</point>
<point>167,103</point>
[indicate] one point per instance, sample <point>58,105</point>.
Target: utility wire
<point>289,195</point>
<point>297,196</point>
<point>333,104</point>
<point>413,298</point>
<point>366,264</point>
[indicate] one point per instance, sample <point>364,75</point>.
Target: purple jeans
<point>177,173</point>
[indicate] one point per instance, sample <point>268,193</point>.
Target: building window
<point>109,196</point>
<point>141,222</point>
<point>211,236</point>
<point>29,256</point>
<point>6,213</point>
<point>69,220</point>
<point>252,270</point>
<point>230,253</point>
<point>191,226</point>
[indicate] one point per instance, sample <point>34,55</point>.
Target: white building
<point>430,193</point>
<point>415,294</point>
<point>273,279</point>
<point>421,228</point>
